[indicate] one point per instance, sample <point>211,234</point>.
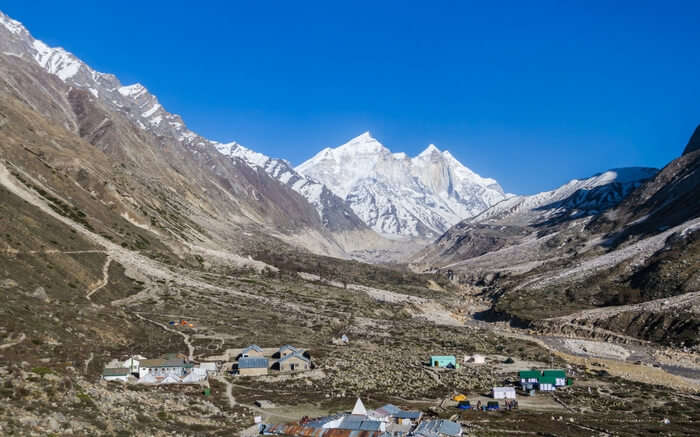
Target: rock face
<point>694,142</point>
<point>397,195</point>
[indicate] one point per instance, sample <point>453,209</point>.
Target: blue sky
<point>530,93</point>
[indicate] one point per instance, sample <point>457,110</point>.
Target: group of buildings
<point>387,421</point>
<point>252,361</point>
<point>168,369</point>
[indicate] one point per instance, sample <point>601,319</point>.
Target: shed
<point>443,361</point>
<point>252,366</point>
<point>116,374</point>
<point>503,392</point>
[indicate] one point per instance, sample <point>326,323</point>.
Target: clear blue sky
<point>530,93</point>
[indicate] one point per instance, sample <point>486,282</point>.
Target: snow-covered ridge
<point>593,194</point>
<point>398,195</point>
<point>134,101</point>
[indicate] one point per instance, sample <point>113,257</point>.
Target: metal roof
<point>296,354</point>
<point>402,414</point>
<point>290,347</point>
<point>252,363</point>
<point>529,374</point>
<point>431,428</point>
<point>548,380</point>
<point>252,347</point>
<point>554,373</point>
<point>119,371</point>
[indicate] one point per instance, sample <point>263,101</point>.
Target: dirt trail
<point>19,340</point>
<point>105,278</point>
<point>190,348</point>
<point>87,363</point>
<point>229,390</point>
<point>135,264</point>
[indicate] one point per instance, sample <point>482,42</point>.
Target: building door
<point>291,367</point>
<point>437,364</point>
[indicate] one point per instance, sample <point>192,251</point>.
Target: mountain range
<point>397,195</point>
<point>116,221</point>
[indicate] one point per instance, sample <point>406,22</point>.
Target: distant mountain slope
<point>335,215</point>
<point>158,151</point>
<point>520,217</point>
<point>398,195</point>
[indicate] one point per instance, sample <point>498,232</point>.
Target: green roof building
<point>529,376</point>
<point>558,375</point>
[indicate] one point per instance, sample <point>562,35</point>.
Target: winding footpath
<point>190,348</point>
<point>105,278</point>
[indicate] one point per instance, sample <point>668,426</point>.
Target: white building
<point>209,368</point>
<point>503,392</point>
<point>132,363</point>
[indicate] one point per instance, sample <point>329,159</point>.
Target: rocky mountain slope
<point>519,218</point>
<point>555,261</point>
<point>132,127</point>
<point>398,195</point>
<point>335,215</point>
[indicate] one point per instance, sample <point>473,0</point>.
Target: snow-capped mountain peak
<point>398,195</point>
<point>429,151</point>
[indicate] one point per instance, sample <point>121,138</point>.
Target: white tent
<point>475,359</point>
<point>148,378</point>
<point>359,408</point>
<point>171,379</point>
<point>504,392</point>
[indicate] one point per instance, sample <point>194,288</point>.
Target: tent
<point>359,408</point>
<point>464,405</point>
<point>459,398</point>
<point>475,359</point>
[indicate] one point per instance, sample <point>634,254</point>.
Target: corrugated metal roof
<point>408,414</point>
<point>294,355</point>
<point>529,374</point>
<point>157,362</point>
<point>431,428</point>
<point>252,347</point>
<point>253,363</point>
<point>118,371</point>
<point>554,373</point>
<point>297,430</point>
